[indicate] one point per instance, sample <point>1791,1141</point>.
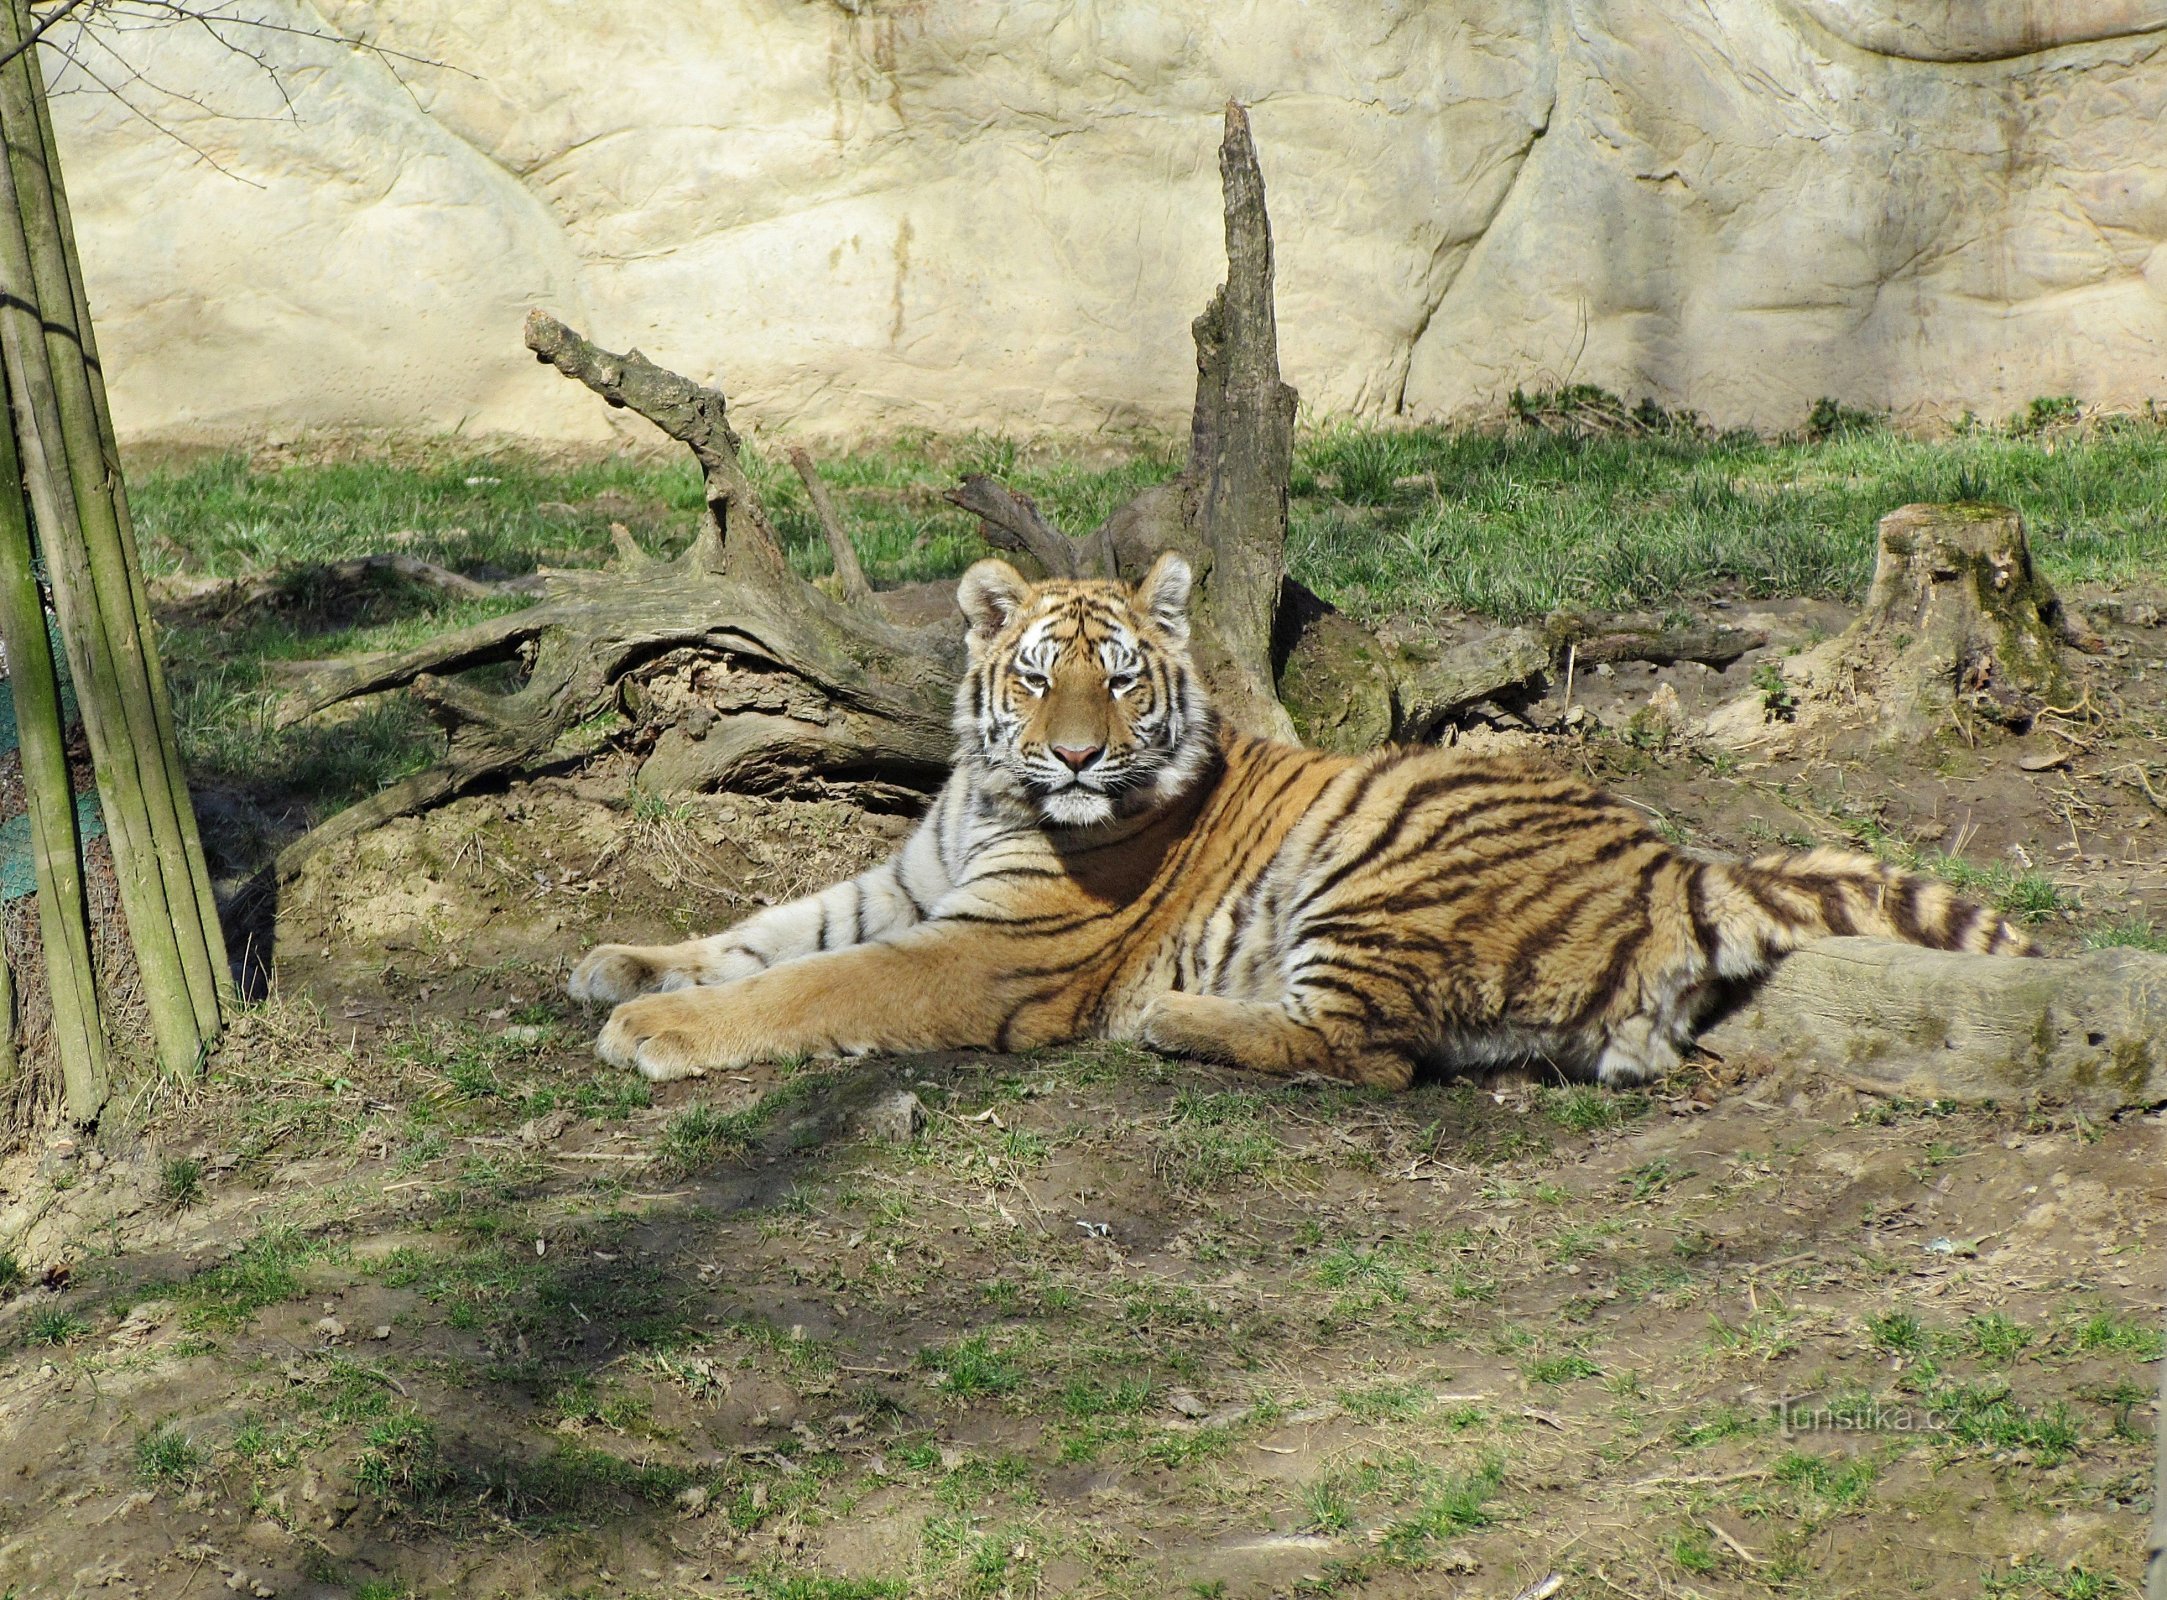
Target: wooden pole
<point>211,929</point>
<point>74,501</point>
<point>63,909</point>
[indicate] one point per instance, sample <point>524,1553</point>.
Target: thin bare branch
<point>848,573</point>
<point>1011,521</point>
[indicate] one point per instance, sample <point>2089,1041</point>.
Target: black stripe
<point>820,940</point>
<point>1624,947</point>
<point>857,911</point>
<point>1705,933</point>
<point>1547,932</point>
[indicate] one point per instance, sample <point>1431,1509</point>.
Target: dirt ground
<point>415,1297</point>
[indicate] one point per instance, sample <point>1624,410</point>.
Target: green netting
<point>18,872</point>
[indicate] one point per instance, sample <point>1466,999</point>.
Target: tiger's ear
<point>989,595</point>
<point>1163,592</point>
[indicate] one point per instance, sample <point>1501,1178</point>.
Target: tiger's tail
<point>1751,912</point>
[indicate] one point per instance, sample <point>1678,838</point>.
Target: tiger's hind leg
<point>1273,1038</point>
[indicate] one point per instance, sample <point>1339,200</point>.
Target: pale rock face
<point>867,216</point>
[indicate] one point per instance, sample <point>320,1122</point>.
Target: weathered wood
<point>1593,640</point>
<point>1241,452</point>
<point>1958,619</point>
<point>2087,1030</point>
<point>1959,631</point>
<point>79,1039</point>
<point>849,575</point>
<point>72,476</point>
<point>791,680</point>
<point>215,599</point>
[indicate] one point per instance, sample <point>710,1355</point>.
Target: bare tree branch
<point>848,573</point>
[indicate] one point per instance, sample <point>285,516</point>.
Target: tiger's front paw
<point>1169,1025</point>
<point>613,973</point>
<point>665,1036</point>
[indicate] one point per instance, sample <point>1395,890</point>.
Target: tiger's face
<point>1080,699</point>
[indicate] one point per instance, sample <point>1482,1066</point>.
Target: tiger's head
<point>1080,699</point>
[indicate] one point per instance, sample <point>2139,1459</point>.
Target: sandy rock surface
<point>1002,213</point>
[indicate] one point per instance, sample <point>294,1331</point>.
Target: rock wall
<point>866,216</point>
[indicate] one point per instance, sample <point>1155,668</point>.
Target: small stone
<point>895,1118</point>
<point>692,1501</point>
<point>544,1129</point>
<point>381,1331</point>
<point>523,1033</point>
<point>331,1327</point>
<point>1187,1404</point>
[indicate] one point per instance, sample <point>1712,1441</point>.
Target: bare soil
<point>413,1296</point>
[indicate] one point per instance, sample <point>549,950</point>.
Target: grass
<point>2115,1333</point>
<point>180,1181</point>
<point>166,1457</point>
<point>53,1326</point>
<point>2131,933</point>
<point>263,1272</point>
<point>972,1367</point>
<point>1513,523</point>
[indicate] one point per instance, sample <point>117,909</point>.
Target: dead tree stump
<point>1959,630</point>
<point>1959,623</point>
<point>738,673</point>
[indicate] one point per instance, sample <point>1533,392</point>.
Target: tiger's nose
<point>1076,759</point>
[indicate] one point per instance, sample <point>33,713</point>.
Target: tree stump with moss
<point>1959,630</point>
<point>1959,623</point>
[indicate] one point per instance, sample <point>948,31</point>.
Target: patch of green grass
<point>1521,522</point>
<point>53,1326</point>
<point>973,1367</point>
<point>180,1181</point>
<point>1559,1369</point>
<point>2036,1580</point>
<point>1899,1333</point>
<point>2127,933</point>
<point>1175,1448</point>
<point>1452,1506</point>
<point>165,1457</point>
<point>1837,1483</point>
<point>1375,1268</point>
<point>1986,1414</point>
<point>1381,1402</point>
<point>1651,1178</point>
<point>1694,1549</point>
<point>400,1458</point>
<point>700,1135</point>
<point>1997,1337</point>
<point>776,1584</point>
<point>13,1274</point>
<point>2120,1334</point>
<point>1584,1108</point>
<point>1213,1139</point>
<point>1095,1396</point>
<point>1719,1423</point>
<point>263,1272</point>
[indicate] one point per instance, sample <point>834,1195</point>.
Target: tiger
<point>1109,859</point>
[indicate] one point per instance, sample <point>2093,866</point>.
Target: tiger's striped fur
<point>1106,861</point>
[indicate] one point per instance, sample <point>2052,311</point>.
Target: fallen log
<point>1632,637</point>
<point>2088,1030</point>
